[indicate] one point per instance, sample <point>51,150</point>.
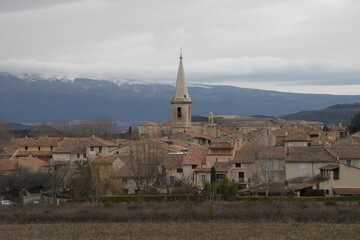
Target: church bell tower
<point>180,103</point>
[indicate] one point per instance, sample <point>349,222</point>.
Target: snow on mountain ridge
<point>32,77</point>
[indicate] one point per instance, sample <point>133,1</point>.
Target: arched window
<point>179,114</point>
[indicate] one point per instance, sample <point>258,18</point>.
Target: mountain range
<point>29,98</point>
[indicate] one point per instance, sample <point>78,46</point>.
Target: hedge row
<point>149,198</point>
<point>169,198</point>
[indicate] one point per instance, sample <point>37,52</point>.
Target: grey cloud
<point>312,42</point>
<point>22,5</point>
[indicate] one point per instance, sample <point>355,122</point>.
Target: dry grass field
<point>181,230</point>
<point>183,220</point>
<point>265,211</point>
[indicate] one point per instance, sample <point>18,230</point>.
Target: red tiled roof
<point>250,154</point>
<point>196,135</point>
<point>9,164</point>
<point>79,145</point>
<point>222,144</point>
<point>174,160</point>
<point>346,151</point>
<point>309,154</point>
<point>225,130</point>
<point>196,155</point>
<point>38,141</point>
<point>35,161</point>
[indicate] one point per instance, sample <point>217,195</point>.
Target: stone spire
<point>180,103</point>
<point>181,92</point>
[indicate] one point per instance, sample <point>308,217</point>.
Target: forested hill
<point>332,114</point>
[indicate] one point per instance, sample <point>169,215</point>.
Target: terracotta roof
<point>347,191</point>
<point>296,179</point>
<point>121,142</point>
<point>250,153</point>
<point>222,144</point>
<point>309,154</point>
<point>196,155</point>
<point>225,130</point>
<point>278,187</point>
<point>196,135</point>
<point>297,136</point>
<point>79,145</point>
<point>346,151</point>
<point>174,160</point>
<point>329,167</point>
<point>38,141</point>
<point>9,150</point>
<point>9,164</point>
<point>35,161</point>
<point>306,183</point>
<point>222,166</point>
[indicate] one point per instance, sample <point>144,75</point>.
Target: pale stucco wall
<point>303,169</point>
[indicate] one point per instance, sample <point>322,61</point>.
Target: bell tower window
<point>179,114</point>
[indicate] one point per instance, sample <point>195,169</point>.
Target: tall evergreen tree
<point>354,125</point>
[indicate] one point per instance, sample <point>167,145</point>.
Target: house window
<point>336,174</point>
<point>84,155</point>
<point>219,176</point>
<point>39,148</point>
<point>26,148</point>
<point>203,177</point>
<point>348,162</point>
<point>124,180</point>
<point>193,166</point>
<point>92,148</point>
<point>51,148</point>
<point>125,191</point>
<point>327,192</point>
<point>106,167</point>
<point>179,114</point>
<point>78,155</point>
<point>314,135</point>
<point>100,149</point>
<point>179,170</point>
<point>241,176</point>
<point>171,180</point>
<point>238,165</point>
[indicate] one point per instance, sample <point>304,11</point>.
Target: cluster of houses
<point>260,155</point>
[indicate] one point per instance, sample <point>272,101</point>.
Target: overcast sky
<point>285,45</point>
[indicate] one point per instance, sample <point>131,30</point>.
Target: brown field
<point>264,211</point>
<point>181,230</point>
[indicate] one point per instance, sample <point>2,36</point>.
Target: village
<point>261,156</point>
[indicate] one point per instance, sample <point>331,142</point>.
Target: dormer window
<point>92,148</point>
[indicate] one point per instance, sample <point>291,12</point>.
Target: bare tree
<point>266,170</point>
<point>59,178</point>
<point>85,182</point>
<point>45,130</point>
<point>103,127</point>
<point>146,160</point>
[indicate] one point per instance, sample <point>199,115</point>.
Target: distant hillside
<point>29,98</point>
<point>332,114</point>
